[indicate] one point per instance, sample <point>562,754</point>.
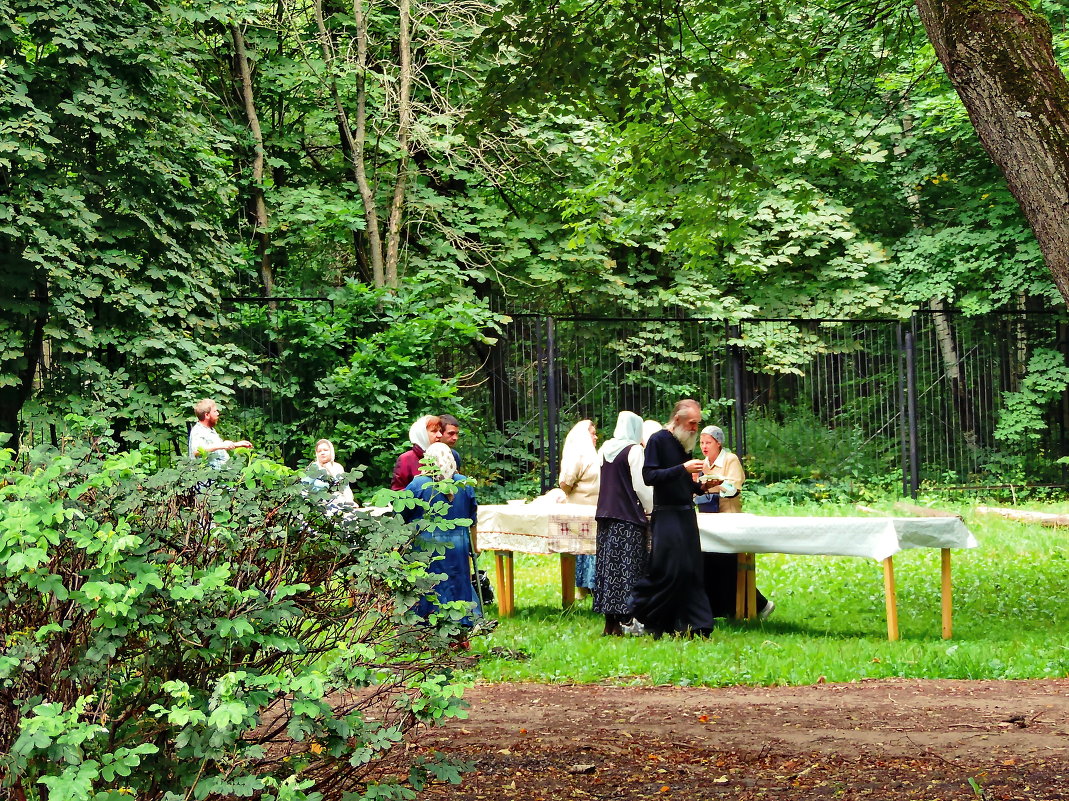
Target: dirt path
<point>888,740</point>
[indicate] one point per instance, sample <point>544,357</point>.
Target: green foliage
<point>1022,417</point>
<point>359,369</point>
<point>196,633</point>
<point>795,444</point>
<point>112,188</point>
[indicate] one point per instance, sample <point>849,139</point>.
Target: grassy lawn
<point>1010,619</point>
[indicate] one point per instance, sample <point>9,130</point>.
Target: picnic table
<point>569,529</point>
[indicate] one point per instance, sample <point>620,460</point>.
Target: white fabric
<point>201,436</point>
<point>558,528</point>
<point>544,527</point>
<point>628,432</point>
<point>635,458</point>
<point>418,434</point>
<point>580,468</point>
<point>442,456</point>
<point>649,428</point>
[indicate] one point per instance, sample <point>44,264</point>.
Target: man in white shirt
<point>205,441</point>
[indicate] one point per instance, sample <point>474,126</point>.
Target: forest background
<point>318,206</point>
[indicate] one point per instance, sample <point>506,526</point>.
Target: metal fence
<point>915,401</point>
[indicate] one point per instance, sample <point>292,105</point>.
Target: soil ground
<point>884,739</point>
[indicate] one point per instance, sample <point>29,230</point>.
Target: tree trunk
<point>998,55</point>
<point>954,370</point>
<point>259,206</point>
<point>356,139</point>
<point>404,128</point>
<point>14,397</point>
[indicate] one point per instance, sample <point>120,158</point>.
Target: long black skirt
<point>671,598</point>
<point>621,562</point>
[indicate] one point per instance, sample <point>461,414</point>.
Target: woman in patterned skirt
<point>624,501</point>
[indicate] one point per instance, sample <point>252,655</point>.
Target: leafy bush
<point>359,373</point>
<point>191,633</point>
<point>796,444</point>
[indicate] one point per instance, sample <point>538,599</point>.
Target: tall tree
<point>999,56</point>
<point>111,193</point>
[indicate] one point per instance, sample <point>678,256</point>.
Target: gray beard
<point>688,439</point>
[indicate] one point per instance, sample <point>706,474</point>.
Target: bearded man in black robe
<point>671,598</point>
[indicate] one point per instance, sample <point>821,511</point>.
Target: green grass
<point>1010,620</point>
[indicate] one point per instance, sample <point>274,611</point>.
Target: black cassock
<point>671,597</point>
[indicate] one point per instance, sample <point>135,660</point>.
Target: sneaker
<point>766,610</point>
<point>634,628</point>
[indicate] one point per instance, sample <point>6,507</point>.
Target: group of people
<point>430,461</point>
<point>649,572</point>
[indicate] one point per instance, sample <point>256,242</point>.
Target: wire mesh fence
<point>913,402</point>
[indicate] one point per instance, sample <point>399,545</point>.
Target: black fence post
<point>540,399</point>
<point>903,431</point>
<point>552,401</point>
<point>738,377</point>
<point>911,409</point>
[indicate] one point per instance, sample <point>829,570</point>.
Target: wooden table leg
<point>567,579</point>
<point>745,586</point>
<point>503,576</point>
<point>946,594</point>
<point>889,598</point>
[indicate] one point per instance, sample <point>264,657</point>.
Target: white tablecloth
<point>570,528</point>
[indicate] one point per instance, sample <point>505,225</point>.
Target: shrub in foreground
<point>188,633</point>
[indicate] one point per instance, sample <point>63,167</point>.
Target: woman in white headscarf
<point>325,471</point>
<point>624,501</point>
<point>455,564</point>
<point>426,431</point>
<point>580,474</point>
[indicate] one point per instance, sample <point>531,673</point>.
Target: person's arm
<point>644,491</point>
<point>402,474</point>
<point>202,442</point>
<point>734,475</point>
<point>655,471</point>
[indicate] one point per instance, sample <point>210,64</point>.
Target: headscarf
<point>649,428</point>
<point>418,435</point>
<point>445,466</point>
<point>628,432</point>
<point>331,468</point>
<point>578,454</point>
<point>716,432</point>
<point>330,445</point>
